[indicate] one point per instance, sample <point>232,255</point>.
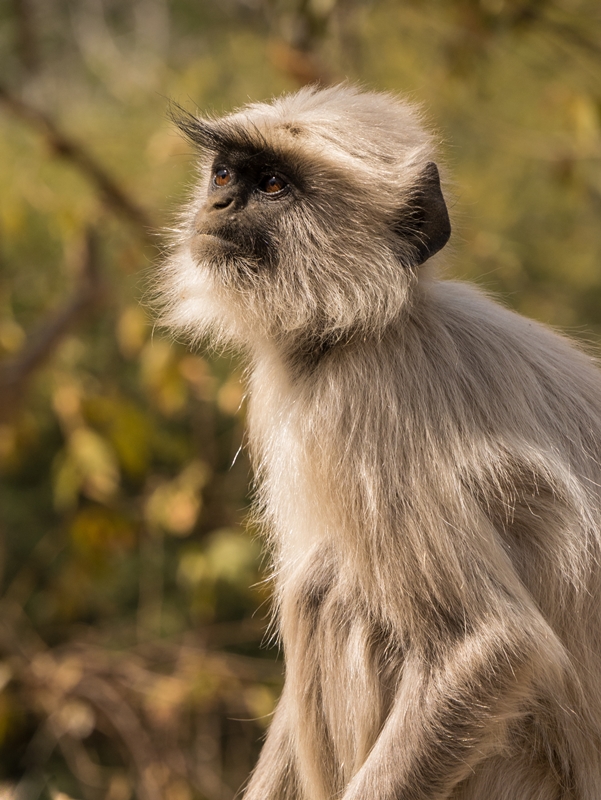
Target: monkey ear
<point>424,221</point>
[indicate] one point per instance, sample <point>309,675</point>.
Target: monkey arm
<point>274,777</point>
<point>453,711</point>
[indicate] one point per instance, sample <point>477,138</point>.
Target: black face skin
<point>247,195</point>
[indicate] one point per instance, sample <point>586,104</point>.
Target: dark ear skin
<point>424,222</point>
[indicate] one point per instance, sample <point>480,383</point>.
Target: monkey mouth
<point>220,251</point>
<point>212,239</point>
<point>207,245</point>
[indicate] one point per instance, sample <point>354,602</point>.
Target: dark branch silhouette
<point>116,199</point>
<point>16,372</point>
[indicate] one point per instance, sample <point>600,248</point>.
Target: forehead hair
<point>358,129</point>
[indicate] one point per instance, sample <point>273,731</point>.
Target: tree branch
<point>26,44</point>
<point>116,198</point>
<point>16,372</point>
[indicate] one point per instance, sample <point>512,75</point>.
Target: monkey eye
<point>222,176</point>
<point>271,183</point>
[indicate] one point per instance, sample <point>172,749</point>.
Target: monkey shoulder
<point>504,360</point>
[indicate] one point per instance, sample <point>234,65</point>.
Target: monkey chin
<point>234,270</point>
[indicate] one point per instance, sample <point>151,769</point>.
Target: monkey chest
<point>342,666</point>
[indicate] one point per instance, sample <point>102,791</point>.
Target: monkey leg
<point>453,712</point>
<point>275,776</point>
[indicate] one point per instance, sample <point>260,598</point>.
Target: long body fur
<point>431,485</point>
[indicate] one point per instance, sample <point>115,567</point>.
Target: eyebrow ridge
<point>217,135</point>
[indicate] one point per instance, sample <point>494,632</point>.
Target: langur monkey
<point>428,466</point>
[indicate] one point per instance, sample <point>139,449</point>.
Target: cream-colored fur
<point>428,472</point>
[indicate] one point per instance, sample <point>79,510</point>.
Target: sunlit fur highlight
<point>430,484</point>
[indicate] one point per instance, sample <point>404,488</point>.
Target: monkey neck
<point>361,451</point>
<point>302,354</point>
<point>325,425</point>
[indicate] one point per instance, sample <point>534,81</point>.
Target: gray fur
<point>428,472</point>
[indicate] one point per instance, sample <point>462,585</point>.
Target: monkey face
<point>237,226</point>
<point>310,219</point>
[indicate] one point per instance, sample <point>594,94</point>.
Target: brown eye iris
<point>272,184</point>
<point>222,177</point>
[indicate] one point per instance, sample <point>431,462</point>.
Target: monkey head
<point>309,220</point>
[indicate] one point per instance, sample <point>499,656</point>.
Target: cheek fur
<point>191,301</point>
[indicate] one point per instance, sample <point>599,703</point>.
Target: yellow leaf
<point>161,375</point>
<point>132,331</point>
<point>96,462</point>
<point>230,396</point>
<point>232,555</point>
<point>97,529</point>
<point>67,481</point>
<point>12,336</point>
<point>127,429</point>
<point>175,505</point>
<point>260,701</point>
<point>75,718</point>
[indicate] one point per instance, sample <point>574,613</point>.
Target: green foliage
<point>131,662</point>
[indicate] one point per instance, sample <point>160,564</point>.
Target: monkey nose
<point>221,202</point>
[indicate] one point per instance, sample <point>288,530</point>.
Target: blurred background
<point>134,601</point>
